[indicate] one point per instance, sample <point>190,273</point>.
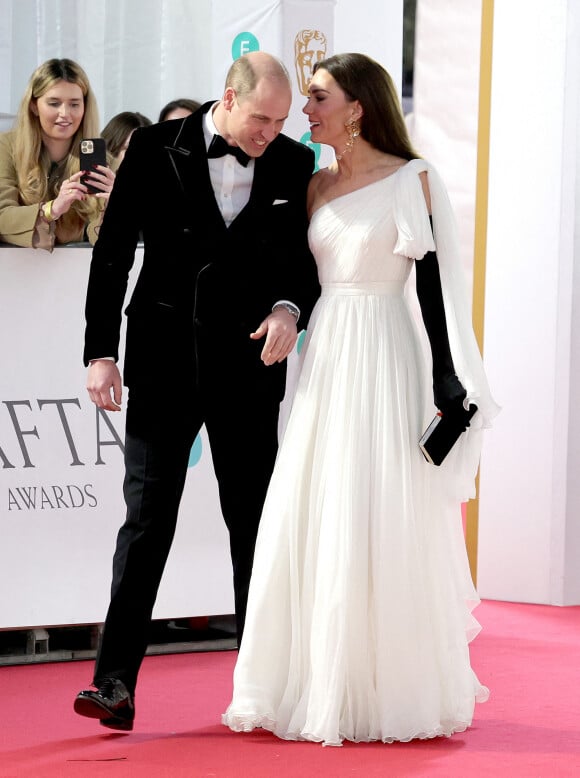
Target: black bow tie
<point>219,148</point>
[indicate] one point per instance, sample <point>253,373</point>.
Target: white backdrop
<point>444,121</point>
<point>529,529</point>
<point>139,54</point>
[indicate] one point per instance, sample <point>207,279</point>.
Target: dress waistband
<point>364,288</point>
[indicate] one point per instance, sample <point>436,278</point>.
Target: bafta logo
<point>309,48</point>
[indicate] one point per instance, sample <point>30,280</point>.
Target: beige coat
<point>20,224</point>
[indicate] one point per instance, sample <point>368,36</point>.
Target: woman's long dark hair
<point>382,123</point>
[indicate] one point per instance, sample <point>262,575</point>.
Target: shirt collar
<point>209,128</point>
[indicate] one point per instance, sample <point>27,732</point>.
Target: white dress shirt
<point>231,182</point>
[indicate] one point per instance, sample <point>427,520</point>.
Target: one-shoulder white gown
<point>359,614</point>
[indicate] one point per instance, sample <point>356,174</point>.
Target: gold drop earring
<point>353,130</point>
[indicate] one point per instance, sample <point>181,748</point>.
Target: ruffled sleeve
<point>414,236</point>
<point>414,239</point>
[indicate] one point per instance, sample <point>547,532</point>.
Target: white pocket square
<point>279,202</point>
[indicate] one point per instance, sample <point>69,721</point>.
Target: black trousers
<point>242,431</point>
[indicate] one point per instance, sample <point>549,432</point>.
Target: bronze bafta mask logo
<point>309,48</point>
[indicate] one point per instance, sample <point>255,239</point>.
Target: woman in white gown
<point>359,613</point>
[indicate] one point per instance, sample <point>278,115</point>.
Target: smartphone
<point>93,152</point>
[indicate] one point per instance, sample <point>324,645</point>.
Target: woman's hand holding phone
<point>71,189</point>
<point>96,176</point>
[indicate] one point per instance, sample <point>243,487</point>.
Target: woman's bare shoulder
<point>318,184</point>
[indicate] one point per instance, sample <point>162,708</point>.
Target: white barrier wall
<point>61,466</point>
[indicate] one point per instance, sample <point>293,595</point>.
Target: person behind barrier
<point>42,200</point>
<point>118,130</point>
<point>178,109</point>
<point>226,274</point>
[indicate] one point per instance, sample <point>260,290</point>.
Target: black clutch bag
<point>442,434</point>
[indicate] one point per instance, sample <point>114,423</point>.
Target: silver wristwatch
<point>292,309</point>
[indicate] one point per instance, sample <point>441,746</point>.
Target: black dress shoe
<point>112,704</point>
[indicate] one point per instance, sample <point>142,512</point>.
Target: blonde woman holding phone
<point>43,202</point>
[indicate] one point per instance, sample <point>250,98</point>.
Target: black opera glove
<point>449,395</point>
<point>448,392</point>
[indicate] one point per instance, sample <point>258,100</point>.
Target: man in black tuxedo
<point>226,274</point>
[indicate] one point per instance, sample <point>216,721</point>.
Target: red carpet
<point>529,655</point>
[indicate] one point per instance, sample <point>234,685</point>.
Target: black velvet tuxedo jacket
<point>203,287</point>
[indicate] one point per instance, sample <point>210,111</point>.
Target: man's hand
<point>103,376</point>
<point>281,335</point>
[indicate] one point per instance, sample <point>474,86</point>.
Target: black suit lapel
<point>188,160</point>
<point>260,196</point>
<point>264,183</point>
